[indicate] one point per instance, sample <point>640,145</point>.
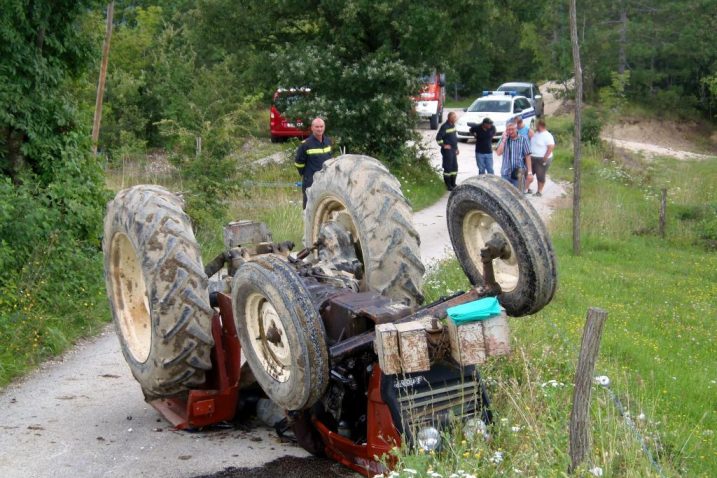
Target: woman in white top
<point>541,150</point>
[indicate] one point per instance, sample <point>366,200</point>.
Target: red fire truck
<point>429,103</point>
<point>280,127</point>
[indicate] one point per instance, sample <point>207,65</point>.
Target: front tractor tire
<point>360,192</point>
<point>281,333</point>
<point>157,291</point>
<point>487,206</point>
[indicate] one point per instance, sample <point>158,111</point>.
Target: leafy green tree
<point>52,194</point>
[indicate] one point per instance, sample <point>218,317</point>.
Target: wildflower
<point>410,471</point>
<point>603,380</point>
<point>595,471</point>
<point>515,429</point>
<point>497,457</point>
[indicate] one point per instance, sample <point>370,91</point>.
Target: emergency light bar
<point>488,93</point>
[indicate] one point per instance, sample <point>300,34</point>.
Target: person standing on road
<point>484,134</point>
<point>542,145</point>
<point>523,129</point>
<point>448,141</point>
<point>515,150</point>
<point>312,154</point>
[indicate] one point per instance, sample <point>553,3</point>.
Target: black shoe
<point>538,194</point>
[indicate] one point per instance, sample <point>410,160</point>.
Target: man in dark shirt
<point>484,134</point>
<point>448,141</point>
<point>312,154</point>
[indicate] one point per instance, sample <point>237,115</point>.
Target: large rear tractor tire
<point>281,333</point>
<point>485,206</point>
<point>157,290</point>
<point>360,191</point>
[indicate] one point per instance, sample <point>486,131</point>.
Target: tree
<point>576,135</point>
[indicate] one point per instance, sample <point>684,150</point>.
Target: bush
<point>591,127</point>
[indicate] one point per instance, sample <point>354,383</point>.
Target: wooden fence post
<point>580,415</point>
<point>663,211</point>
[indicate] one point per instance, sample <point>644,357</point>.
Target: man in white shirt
<point>541,148</point>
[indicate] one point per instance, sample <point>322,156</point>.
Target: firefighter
<point>448,141</point>
<point>312,153</point>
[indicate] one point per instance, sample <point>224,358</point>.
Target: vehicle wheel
<point>281,333</point>
<point>157,290</point>
<point>361,192</point>
<point>483,206</point>
<point>434,121</point>
<point>276,139</point>
<point>440,117</point>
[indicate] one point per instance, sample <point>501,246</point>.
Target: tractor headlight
<point>429,439</point>
<point>475,427</point>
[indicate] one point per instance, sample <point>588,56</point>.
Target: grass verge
<point>659,343</point>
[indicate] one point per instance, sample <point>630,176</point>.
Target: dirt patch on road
<point>288,467</point>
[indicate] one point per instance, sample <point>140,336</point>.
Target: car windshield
<point>490,106</point>
<point>284,100</point>
<point>520,90</point>
<point>427,78</point>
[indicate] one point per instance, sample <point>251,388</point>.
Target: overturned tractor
<point>334,334</point>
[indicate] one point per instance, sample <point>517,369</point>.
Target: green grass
<point>460,103</point>
<point>658,348</point>
<point>41,318</point>
<point>420,183</point>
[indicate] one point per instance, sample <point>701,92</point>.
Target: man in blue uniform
<point>448,141</point>
<point>312,154</point>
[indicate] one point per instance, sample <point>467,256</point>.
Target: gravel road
<point>83,414</point>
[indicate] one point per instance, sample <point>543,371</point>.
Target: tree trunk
<point>578,122</point>
<point>576,135</point>
<point>622,42</point>
<point>103,74</point>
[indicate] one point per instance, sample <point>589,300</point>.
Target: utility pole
<point>576,136</point>
<point>103,75</point>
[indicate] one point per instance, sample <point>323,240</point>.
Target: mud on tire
<point>486,205</point>
<point>363,189</point>
<point>281,333</point>
<point>157,290</point>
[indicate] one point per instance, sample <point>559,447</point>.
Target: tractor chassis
<point>217,401</point>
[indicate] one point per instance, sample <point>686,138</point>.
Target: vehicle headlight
<point>429,439</point>
<point>475,427</point>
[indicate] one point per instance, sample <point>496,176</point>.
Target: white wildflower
<point>603,380</point>
<point>641,416</point>
<point>515,429</point>
<point>410,471</point>
<point>497,457</point>
<point>595,471</point>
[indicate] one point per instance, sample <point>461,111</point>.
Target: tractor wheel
<point>157,290</point>
<point>360,192</point>
<point>281,333</point>
<point>488,205</point>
